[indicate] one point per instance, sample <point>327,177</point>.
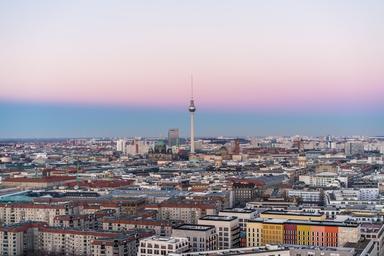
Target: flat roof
<point>238,210</point>
<point>304,222</point>
<point>218,218</point>
<point>236,251</point>
<point>40,179</point>
<point>275,212</point>
<point>168,239</point>
<point>194,227</point>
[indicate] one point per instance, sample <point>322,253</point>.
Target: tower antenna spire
<point>192,86</point>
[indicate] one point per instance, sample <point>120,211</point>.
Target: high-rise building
<point>192,110</point>
<point>354,148</point>
<point>138,147</point>
<point>328,140</point>
<point>120,145</point>
<point>173,137</point>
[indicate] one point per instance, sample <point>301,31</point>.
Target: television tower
<point>192,110</point>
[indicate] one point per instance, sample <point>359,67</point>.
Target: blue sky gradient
<point>36,120</point>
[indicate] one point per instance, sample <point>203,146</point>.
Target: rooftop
<point>310,222</point>
<point>40,179</point>
<point>237,251</point>
<point>167,239</point>
<point>218,218</point>
<point>194,227</point>
<point>238,210</point>
<point>274,212</point>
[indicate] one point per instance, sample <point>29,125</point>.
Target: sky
<point>122,68</point>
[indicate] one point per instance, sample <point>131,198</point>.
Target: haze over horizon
<point>117,68</point>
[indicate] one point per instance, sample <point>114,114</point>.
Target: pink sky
<point>263,54</point>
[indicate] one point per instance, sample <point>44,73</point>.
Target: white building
<point>242,214</point>
<point>200,237</point>
<point>306,196</point>
<point>324,179</point>
<point>138,147</point>
<point>156,245</point>
<point>120,145</point>
<point>368,194</point>
<point>187,211</point>
<point>362,194</point>
<point>227,229</point>
<point>344,197</point>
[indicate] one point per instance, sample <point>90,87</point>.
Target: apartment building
<point>369,194</point>
<point>123,206</point>
<point>160,227</point>
<point>78,242</point>
<point>21,212</point>
<point>350,197</point>
<point>200,237</point>
<point>222,199</point>
<point>188,211</point>
<point>131,206</point>
<point>227,229</point>
<point>82,221</point>
<point>17,240</point>
<point>324,179</point>
<point>114,246</point>
<point>307,196</point>
<point>317,233</point>
<point>156,245</point>
<point>374,232</point>
<point>244,193</point>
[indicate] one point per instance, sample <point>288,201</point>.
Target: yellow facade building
<point>261,232</point>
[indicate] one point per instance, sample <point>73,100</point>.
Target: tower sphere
<point>192,107</point>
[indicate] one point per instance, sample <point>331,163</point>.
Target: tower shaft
<point>192,132</point>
